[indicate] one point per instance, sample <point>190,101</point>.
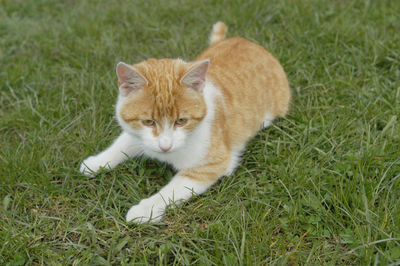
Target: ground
<point>320,186</point>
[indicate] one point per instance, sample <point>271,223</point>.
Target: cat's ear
<point>129,79</point>
<point>195,77</point>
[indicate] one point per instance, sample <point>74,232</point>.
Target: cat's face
<point>161,101</point>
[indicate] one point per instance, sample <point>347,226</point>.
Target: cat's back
<point>253,83</point>
<point>248,75</point>
<point>236,50</point>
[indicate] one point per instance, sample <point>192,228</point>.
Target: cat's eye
<point>181,122</point>
<point>149,123</point>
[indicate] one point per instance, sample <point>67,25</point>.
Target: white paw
<point>91,165</point>
<point>145,211</point>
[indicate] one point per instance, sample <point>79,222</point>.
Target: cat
<point>196,116</point>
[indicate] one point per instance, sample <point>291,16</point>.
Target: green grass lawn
<point>321,186</point>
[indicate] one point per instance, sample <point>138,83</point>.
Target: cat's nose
<point>165,149</point>
<point>165,143</point>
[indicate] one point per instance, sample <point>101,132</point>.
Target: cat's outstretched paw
<point>145,211</point>
<point>91,165</point>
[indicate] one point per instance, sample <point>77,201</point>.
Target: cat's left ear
<point>195,77</point>
<point>129,78</point>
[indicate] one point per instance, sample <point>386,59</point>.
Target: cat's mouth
<point>164,152</point>
<point>160,151</point>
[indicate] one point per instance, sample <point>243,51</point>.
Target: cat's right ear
<point>196,76</point>
<point>129,79</point>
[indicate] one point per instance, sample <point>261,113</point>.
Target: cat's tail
<point>218,32</point>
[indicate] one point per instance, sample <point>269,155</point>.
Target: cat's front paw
<point>91,165</point>
<point>145,211</point>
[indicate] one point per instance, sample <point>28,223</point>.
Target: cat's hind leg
<point>267,121</point>
<point>235,160</point>
<point>124,147</point>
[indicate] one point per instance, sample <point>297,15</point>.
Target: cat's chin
<point>164,152</point>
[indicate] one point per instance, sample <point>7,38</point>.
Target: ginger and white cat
<point>196,116</point>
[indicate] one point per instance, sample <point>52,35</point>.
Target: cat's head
<point>161,101</point>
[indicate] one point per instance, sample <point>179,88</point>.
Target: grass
<point>321,186</point>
